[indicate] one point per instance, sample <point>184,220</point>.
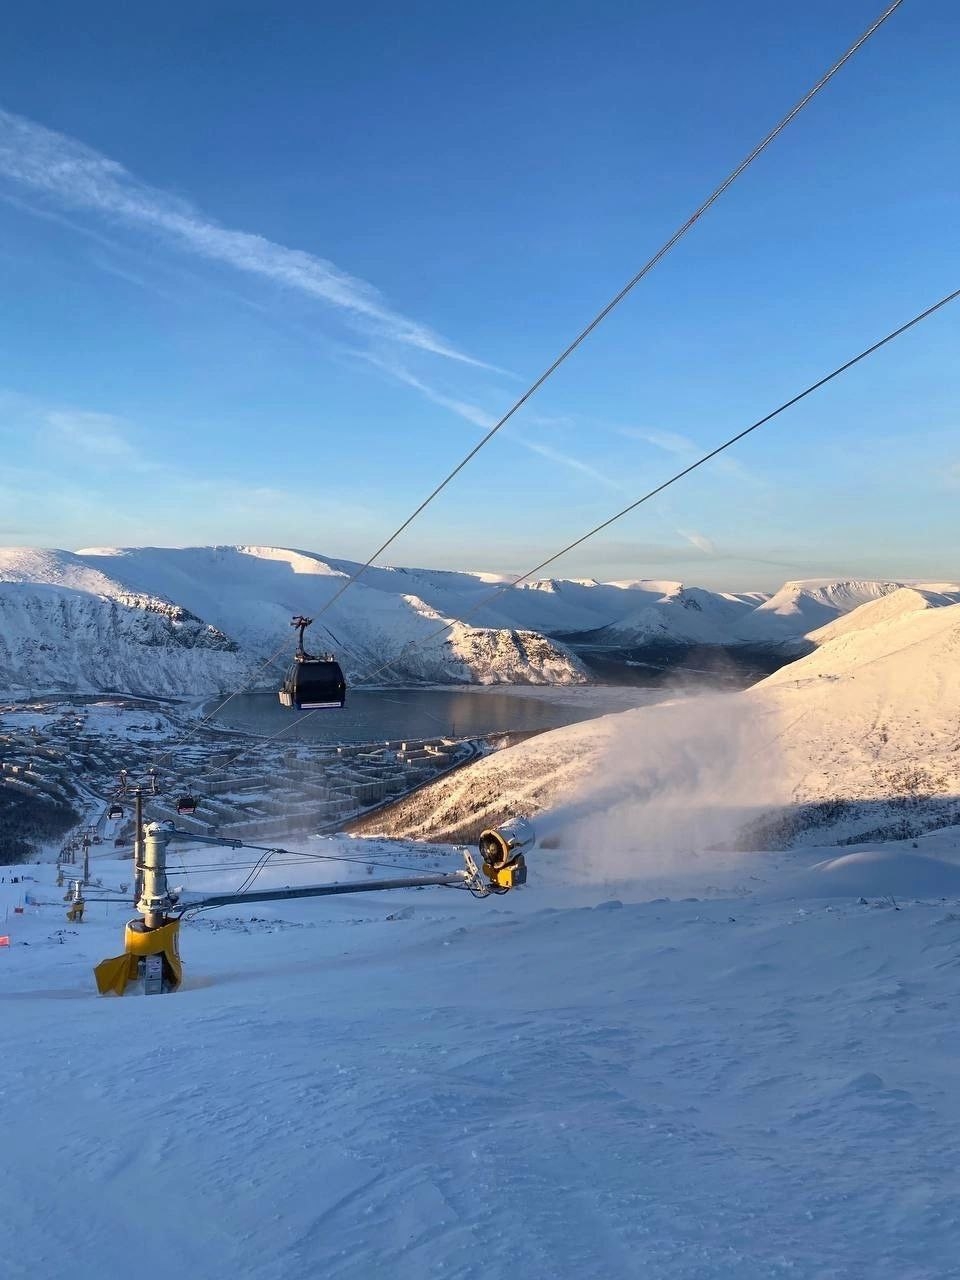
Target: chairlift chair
<point>313,683</point>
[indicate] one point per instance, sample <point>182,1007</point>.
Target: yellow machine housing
<point>117,973</point>
<point>507,875</point>
<point>500,848</point>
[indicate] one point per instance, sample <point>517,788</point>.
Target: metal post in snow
<point>137,845</point>
<point>154,899</point>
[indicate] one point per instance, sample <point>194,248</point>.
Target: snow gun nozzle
<point>501,849</point>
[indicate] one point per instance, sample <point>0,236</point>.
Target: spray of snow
<point>672,788</point>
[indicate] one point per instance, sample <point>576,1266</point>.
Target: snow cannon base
<point>151,961</point>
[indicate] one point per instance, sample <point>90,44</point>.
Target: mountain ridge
<point>229,607</point>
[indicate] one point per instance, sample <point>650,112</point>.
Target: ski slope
<point>755,1078</point>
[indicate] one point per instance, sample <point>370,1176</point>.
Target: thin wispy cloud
<point>80,178</point>
<point>168,283</point>
<point>668,441</point>
<point>685,451</point>
<point>471,413</point>
<point>100,435</point>
<point>85,468</point>
<point>566,460</point>
<point>698,540</point>
<point>478,417</point>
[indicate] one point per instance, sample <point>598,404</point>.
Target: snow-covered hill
<point>889,608</point>
<point>661,1058</point>
<point>801,607</point>
<point>64,625</point>
<point>672,613</point>
<point>192,620</point>
<point>860,738</point>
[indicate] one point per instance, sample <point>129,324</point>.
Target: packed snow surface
<point>752,1076</point>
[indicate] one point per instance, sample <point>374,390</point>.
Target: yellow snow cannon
<point>151,960</point>
<point>502,851</point>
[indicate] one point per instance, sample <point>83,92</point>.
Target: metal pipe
<point>137,845</point>
<point>320,890</point>
<point>155,901</point>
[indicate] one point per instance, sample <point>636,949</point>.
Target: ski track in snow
<point>546,1085</point>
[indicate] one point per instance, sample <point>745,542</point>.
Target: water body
<point>374,716</point>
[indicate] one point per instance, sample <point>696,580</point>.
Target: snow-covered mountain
<point>670,613</point>
<point>64,625</point>
<point>887,609</point>
<point>801,607</point>
<point>191,621</point>
<point>194,621</point>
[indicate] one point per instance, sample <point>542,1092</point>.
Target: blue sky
<point>265,275</point>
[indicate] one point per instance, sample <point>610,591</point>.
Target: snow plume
<point>670,783</point>
<point>79,177</point>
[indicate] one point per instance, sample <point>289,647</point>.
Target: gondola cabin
<point>314,684</point>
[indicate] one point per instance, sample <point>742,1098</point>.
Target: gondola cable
<point>679,475</point>
<point>614,302</point>
<point>652,493</point>
<point>648,266</point>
